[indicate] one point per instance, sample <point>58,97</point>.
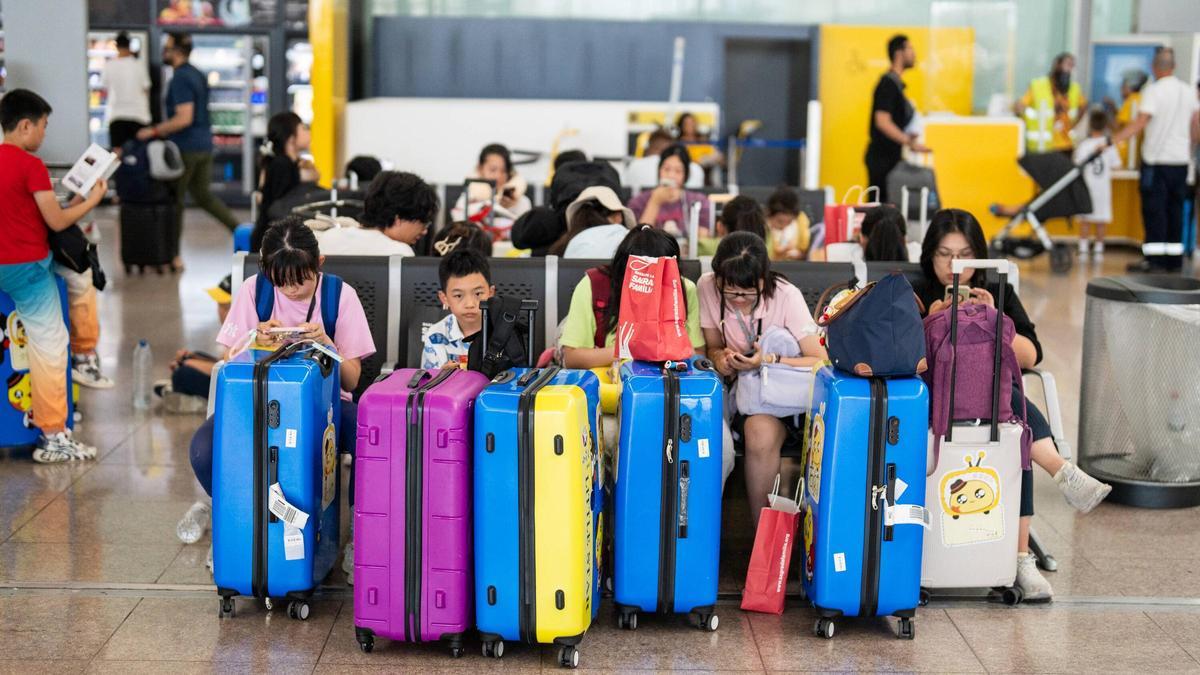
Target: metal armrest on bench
<point>1053,410</point>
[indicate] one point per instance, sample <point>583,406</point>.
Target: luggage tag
<point>293,543</point>
<point>906,514</point>
<point>278,505</point>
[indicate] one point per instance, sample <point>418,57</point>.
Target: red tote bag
<point>843,221</point>
<point>766,578</point>
<point>652,319</point>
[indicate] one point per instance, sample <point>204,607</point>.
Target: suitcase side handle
<point>417,377</point>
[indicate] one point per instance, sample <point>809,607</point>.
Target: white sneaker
<point>61,447</point>
<point>1083,249</point>
<point>1098,251</point>
<point>85,369</point>
<point>1033,585</point>
<point>348,562</point>
<point>1079,489</point>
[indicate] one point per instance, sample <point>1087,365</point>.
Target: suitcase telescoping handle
<point>530,308</point>
<point>958,266</point>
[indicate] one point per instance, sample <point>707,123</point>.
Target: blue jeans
<point>42,348</point>
<point>201,450</point>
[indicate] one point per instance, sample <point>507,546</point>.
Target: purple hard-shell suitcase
<point>412,514</point>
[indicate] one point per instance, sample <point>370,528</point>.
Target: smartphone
<point>287,331</point>
<point>964,293</point>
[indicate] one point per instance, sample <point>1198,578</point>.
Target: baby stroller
<point>1062,194</point>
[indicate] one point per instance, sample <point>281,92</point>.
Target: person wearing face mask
<point>397,211</point>
<point>1052,107</point>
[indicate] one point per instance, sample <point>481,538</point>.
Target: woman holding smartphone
<point>668,205</point>
<point>956,234</point>
<point>740,300</point>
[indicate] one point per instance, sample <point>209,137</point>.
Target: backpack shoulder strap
<point>264,297</point>
<point>601,296</point>
<point>331,298</point>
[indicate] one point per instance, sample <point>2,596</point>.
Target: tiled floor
<point>93,579</point>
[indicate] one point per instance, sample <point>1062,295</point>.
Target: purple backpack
<point>970,384</point>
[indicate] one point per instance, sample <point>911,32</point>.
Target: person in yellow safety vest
<point>1052,107</point>
<point>1131,103</point>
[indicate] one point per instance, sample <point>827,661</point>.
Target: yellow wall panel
<point>853,58</point>
<point>327,31</point>
<point>975,159</point>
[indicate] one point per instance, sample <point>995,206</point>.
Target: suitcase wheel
<point>627,620</point>
<point>455,651</point>
<point>366,639</point>
<point>924,597</point>
<point>1011,596</point>
<point>225,609</point>
<point>493,650</point>
<point>568,657</point>
<point>705,621</point>
<point>908,629</point>
<point>824,628</point>
<point>298,609</point>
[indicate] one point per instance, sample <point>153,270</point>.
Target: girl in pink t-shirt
<point>291,260</point>
<point>739,300</point>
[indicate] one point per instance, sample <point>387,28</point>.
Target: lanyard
<point>312,302</point>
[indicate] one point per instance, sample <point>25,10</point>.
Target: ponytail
<point>280,129</point>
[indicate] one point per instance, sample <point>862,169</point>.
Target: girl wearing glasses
<point>739,300</point>
<point>956,234</point>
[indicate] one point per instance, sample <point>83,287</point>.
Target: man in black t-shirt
<point>891,112</point>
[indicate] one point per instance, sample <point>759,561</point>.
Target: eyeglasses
<point>740,295</point>
<point>965,254</point>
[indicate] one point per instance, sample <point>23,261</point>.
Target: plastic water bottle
<point>193,524</point>
<point>1177,419</point>
<point>142,362</point>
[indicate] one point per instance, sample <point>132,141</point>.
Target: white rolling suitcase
<point>973,494</point>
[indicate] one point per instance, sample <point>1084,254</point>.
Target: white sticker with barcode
<point>839,562</point>
<point>293,543</point>
<point>702,447</point>
<point>289,514</point>
<point>289,438</point>
<point>906,514</point>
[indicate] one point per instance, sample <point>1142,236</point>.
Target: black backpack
<point>135,184</point>
<point>506,340</point>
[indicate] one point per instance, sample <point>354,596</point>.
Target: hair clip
<point>447,245</point>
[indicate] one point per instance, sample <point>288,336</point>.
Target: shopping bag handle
<point>799,487</point>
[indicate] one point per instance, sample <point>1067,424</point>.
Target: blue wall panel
<point>452,57</point>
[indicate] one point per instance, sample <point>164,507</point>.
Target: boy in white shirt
<point>1098,178</point>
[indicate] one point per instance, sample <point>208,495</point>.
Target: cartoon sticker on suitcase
<point>816,453</point>
<point>17,340</point>
<point>329,463</point>
<point>970,500</point>
<point>810,542</point>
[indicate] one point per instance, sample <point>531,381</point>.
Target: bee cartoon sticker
<point>970,502</point>
<point>810,543</point>
<point>329,462</point>
<point>816,452</point>
<point>17,341</point>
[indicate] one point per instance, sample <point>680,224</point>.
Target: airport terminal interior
<point>1000,112</point>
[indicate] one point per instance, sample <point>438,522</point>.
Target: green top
<point>579,328</point>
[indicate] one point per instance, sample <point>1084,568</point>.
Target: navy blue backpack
<point>877,331</point>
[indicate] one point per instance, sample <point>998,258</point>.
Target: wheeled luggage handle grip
<point>960,265</point>
<point>417,377</point>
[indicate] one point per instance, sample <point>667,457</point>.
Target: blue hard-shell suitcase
<point>863,505</point>
<point>16,427</point>
<point>511,588</point>
<point>668,495</point>
<point>276,421</point>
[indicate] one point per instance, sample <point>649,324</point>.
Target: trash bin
<point>1139,408</point>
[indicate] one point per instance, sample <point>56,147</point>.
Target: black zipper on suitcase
<point>262,471</point>
<point>414,414</point>
<point>527,561</point>
<point>669,505</point>
<point>876,459</point>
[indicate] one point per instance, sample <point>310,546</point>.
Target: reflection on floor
<point>92,577</point>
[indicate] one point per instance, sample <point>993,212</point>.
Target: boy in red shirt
<point>27,207</point>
